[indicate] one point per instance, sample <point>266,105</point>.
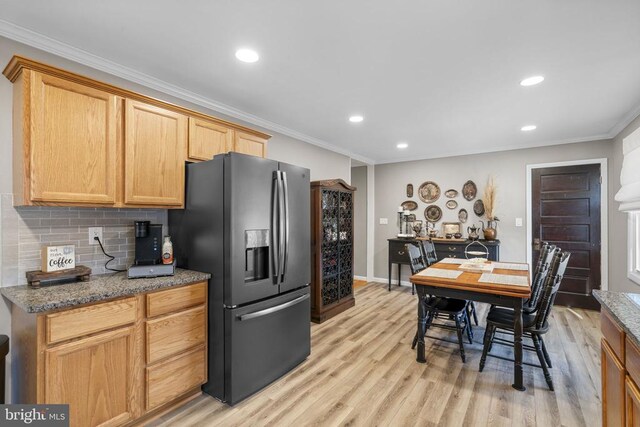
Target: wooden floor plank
<point>362,372</point>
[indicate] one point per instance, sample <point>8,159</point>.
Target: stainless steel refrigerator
<point>246,221</point>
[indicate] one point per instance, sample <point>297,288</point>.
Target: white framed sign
<point>56,258</point>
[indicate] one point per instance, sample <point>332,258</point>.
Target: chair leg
<point>488,336</point>
<point>546,354</point>
<point>543,363</point>
<point>467,324</point>
<point>493,335</point>
<point>459,332</point>
<point>413,289</point>
<point>473,311</point>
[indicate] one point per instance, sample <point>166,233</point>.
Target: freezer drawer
<point>265,341</point>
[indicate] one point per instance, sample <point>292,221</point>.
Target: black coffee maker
<point>148,243</point>
<point>148,260</point>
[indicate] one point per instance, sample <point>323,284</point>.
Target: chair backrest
<point>429,252</point>
<point>542,270</point>
<point>417,262</point>
<point>551,286</point>
<point>544,250</point>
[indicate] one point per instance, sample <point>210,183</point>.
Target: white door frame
<point>604,215</point>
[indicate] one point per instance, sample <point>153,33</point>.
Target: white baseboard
<point>360,278</point>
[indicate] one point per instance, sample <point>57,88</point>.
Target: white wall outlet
<point>384,221</point>
<point>518,222</point>
<point>95,232</point>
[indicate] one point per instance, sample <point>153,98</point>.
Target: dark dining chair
<point>535,325</point>
<point>441,308</point>
<point>429,256</point>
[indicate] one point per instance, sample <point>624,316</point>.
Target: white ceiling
<point>440,75</point>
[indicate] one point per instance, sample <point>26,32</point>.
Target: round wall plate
<point>469,190</point>
<point>452,204</point>
<point>433,213</point>
<point>478,207</point>
<point>429,192</point>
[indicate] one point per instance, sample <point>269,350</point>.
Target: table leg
<point>399,273</point>
<point>422,319</point>
<point>390,264</point>
<point>517,346</point>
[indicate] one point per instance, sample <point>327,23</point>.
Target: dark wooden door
<point>566,213</point>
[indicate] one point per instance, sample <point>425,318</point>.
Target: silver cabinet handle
<point>286,224</point>
<point>281,220</point>
<point>400,252</point>
<point>275,242</point>
<point>270,310</point>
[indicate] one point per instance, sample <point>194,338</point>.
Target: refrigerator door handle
<point>286,225</point>
<point>275,241</point>
<point>270,310</point>
<point>281,228</point>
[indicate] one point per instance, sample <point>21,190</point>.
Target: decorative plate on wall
<point>478,207</point>
<point>452,204</point>
<point>409,205</point>
<point>451,193</point>
<point>409,190</point>
<point>433,213</point>
<point>429,192</point>
<point>463,215</point>
<point>469,190</point>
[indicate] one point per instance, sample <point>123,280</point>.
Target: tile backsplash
<point>24,230</point>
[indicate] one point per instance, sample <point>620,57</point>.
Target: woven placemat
<point>510,266</point>
<point>452,261</point>
<point>504,279</point>
<point>439,272</point>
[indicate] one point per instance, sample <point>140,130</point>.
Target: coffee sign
<point>56,258</point>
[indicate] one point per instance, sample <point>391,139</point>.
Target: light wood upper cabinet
<point>247,143</point>
<point>69,149</point>
<point>154,147</point>
<point>206,139</point>
<point>95,377</point>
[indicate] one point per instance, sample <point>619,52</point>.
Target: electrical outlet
<point>384,221</point>
<point>518,222</point>
<point>95,232</point>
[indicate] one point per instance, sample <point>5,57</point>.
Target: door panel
<point>298,267</point>
<point>206,139</point>
<point>260,349</point>
<point>248,214</point>
<point>155,141</point>
<point>566,212</point>
<point>246,143</point>
<point>73,147</point>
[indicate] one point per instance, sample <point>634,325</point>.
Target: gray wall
<point>359,180</point>
<point>618,222</point>
<point>509,170</point>
<point>324,164</point>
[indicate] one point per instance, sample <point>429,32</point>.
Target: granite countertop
<point>98,288</point>
<point>625,308</point>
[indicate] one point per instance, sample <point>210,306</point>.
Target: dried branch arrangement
<point>489,199</point>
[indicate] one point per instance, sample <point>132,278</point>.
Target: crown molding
<point>626,121</point>
<point>457,153</point>
<point>56,47</point>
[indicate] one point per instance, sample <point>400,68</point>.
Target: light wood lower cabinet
<point>632,397</point>
<point>95,375</point>
<point>93,357</point>
<point>613,379</point>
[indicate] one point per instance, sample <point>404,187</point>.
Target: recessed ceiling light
<point>356,119</point>
<point>402,145</point>
<point>533,80</point>
<point>528,128</point>
<point>247,55</point>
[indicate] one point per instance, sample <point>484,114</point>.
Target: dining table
<point>504,284</point>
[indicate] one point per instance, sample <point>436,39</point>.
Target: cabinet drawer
<point>612,333</point>
<point>81,321</point>
<point>172,334</point>
<point>169,379</point>
<point>171,300</point>
<point>398,252</point>
<point>632,360</point>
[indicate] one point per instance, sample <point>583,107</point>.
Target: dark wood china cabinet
<point>331,248</point>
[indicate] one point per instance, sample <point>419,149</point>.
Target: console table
<point>445,248</point>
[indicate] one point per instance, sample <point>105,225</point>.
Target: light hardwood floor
<point>362,371</point>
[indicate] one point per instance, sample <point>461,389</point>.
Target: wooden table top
<point>468,281</point>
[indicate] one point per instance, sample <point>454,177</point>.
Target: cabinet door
<point>95,376</point>
<point>633,403</point>
<point>155,141</point>
<point>206,139</point>
<point>72,149</point>
<point>613,388</point>
<point>250,144</point>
